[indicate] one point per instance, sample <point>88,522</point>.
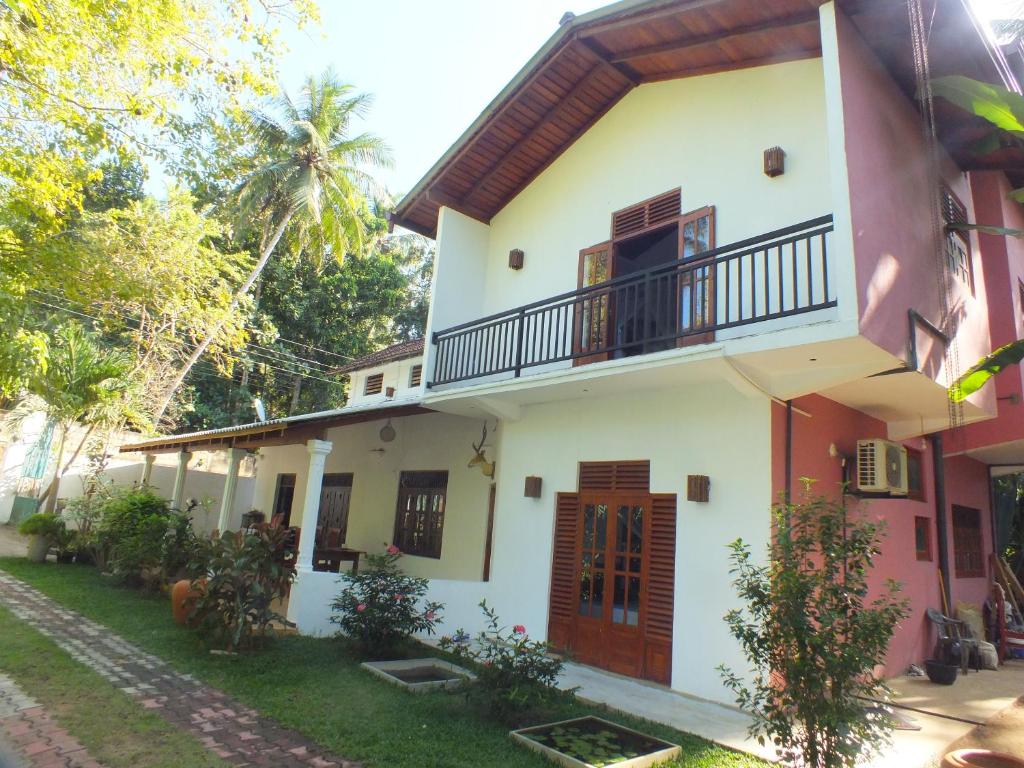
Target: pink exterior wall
<point>894,254</point>
<point>1002,271</point>
<point>966,484</point>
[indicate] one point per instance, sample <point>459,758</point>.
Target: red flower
<point>430,615</point>
<point>488,663</point>
<point>393,550</point>
<point>399,598</point>
<point>519,629</point>
<point>361,607</point>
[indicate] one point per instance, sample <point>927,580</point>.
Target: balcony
<point>772,276</point>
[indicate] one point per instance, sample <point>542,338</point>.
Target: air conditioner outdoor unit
<point>881,467</point>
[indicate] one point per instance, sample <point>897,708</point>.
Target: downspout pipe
<point>789,452</point>
<point>942,531</point>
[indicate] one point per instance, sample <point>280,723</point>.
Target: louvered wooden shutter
<point>660,588</point>
<point>658,210</point>
<point>563,571</point>
<point>615,476</point>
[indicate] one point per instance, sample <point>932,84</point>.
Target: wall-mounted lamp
<point>387,433</point>
<point>532,489</point>
<point>698,488</point>
<point>516,258</point>
<point>389,392</point>
<point>774,162</point>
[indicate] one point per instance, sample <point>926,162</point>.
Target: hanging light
<point>387,433</point>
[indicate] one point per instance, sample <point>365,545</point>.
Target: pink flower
<point>399,598</point>
<point>361,607</point>
<point>519,629</point>
<point>430,615</point>
<point>488,663</point>
<point>393,550</point>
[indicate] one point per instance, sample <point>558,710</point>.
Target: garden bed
<point>592,742</point>
<point>419,675</point>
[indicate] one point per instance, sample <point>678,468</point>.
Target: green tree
<point>310,189</point>
<point>82,383</point>
<point>812,636</point>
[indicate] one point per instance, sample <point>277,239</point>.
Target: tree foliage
<point>813,636</point>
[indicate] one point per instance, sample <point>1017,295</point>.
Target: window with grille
<point>958,246</point>
<point>416,375</point>
<point>419,519</point>
<point>374,384</point>
<point>967,548</point>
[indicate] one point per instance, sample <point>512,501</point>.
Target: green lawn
<point>308,684</point>
<point>88,706</point>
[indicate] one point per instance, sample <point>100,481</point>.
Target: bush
<point>49,526</point>
<point>517,675</point>
<point>130,535</point>
<point>379,608</point>
<point>241,575</point>
<point>812,637</point>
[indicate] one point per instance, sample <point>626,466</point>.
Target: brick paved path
<point>235,733</point>
<point>30,731</point>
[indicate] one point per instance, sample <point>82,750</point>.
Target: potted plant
<point>43,530</point>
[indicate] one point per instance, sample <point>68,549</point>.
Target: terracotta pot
<point>183,597</point>
<point>980,758</point>
<point>38,547</point>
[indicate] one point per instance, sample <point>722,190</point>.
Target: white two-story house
<point>692,253</point>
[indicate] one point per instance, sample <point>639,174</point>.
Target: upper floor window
<point>415,375</point>
<point>419,518</point>
<point>374,384</point>
<point>958,245</point>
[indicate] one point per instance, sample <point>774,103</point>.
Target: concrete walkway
<point>230,730</point>
<point>12,544</point>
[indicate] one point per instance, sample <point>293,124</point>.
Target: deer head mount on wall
<point>480,460</point>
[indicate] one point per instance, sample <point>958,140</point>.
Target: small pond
<point>591,742</point>
<point>420,674</point>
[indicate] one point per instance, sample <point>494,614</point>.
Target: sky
<point>432,66</point>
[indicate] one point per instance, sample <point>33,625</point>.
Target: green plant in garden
<point>813,636</point>
<point>516,675</point>
<point>42,524</point>
<point>241,575</point>
<point>130,534</point>
<point>381,607</point>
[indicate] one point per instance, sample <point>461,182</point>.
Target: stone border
<point>381,669</point>
<point>669,751</point>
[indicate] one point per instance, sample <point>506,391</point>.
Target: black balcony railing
<point>775,275</point>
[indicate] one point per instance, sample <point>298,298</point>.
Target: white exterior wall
<point>713,431</point>
<point>397,374</point>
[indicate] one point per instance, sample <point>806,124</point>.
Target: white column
<point>178,497</point>
<point>227,501</point>
<point>147,469</point>
<point>318,450</point>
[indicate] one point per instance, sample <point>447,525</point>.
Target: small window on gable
<point>915,478</point>
<point>374,384</point>
<point>415,375</point>
<point>958,245</point>
<point>923,538</point>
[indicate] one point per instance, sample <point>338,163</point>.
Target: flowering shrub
<point>517,675</point>
<point>380,607</point>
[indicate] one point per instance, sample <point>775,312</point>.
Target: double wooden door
<point>611,574</point>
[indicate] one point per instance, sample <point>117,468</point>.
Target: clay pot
<point>183,597</point>
<point>38,547</point>
<point>980,758</point>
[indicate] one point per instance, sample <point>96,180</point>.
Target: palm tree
<point>309,186</point>
<point>82,383</point>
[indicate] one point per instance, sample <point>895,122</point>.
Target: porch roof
<point>592,61</point>
<point>287,431</point>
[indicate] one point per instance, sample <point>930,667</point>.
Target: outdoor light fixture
<point>516,258</point>
<point>387,433</point>
<point>532,489</point>
<point>774,162</point>
<point>389,392</point>
<point>698,488</point>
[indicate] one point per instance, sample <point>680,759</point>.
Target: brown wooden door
<point>335,497</point>
<point>610,573</point>
<point>696,307</point>
<point>592,313</point>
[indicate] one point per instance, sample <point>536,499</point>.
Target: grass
<point>308,684</point>
<point>87,705</point>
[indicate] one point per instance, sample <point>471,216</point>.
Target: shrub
<point>241,576</point>
<point>130,534</point>
<point>44,524</point>
<point>380,607</point>
<point>813,637</point>
<point>82,514</point>
<point>517,675</point>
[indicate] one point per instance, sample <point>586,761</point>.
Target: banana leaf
<point>1000,106</point>
<point>975,378</point>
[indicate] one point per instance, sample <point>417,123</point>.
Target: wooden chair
<point>1005,637</point>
